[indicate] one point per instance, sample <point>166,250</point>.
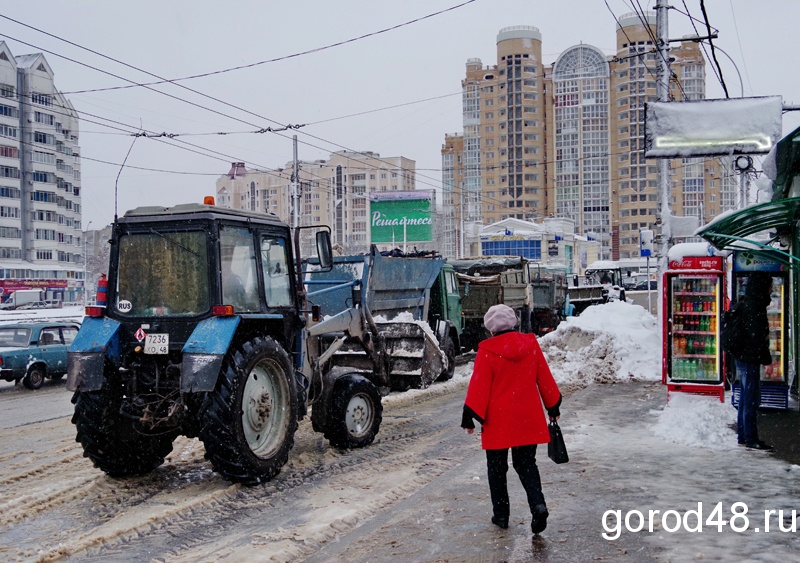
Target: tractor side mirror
<point>324,250</point>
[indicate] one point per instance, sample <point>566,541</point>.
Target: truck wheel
<point>111,442</point>
<point>248,422</point>
<point>449,349</point>
<point>34,378</point>
<point>355,413</point>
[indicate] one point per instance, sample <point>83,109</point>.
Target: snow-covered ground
<point>630,451</point>
<point>619,342</point>
<point>607,343</point>
<point>67,313</point>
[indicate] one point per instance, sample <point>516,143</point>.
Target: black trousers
<point>524,460</point>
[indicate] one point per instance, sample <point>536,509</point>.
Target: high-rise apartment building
<point>567,140</point>
<point>40,195</point>
<point>334,192</point>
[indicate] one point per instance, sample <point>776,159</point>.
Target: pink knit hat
<point>499,318</point>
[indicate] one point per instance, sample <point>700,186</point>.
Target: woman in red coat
<point>509,381</point>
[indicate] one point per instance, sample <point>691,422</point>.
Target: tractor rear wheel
<point>110,441</point>
<point>249,420</point>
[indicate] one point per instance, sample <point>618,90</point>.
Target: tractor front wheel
<point>355,413</point>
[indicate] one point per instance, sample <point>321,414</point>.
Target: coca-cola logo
<point>693,263</point>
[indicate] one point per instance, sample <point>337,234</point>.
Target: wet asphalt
<point>616,463</point>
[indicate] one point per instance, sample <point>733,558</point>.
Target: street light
<point>85,240</point>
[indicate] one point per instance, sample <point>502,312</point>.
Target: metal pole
<point>295,186</point>
<point>301,293</point>
<point>461,223</point>
<point>649,290</point>
<point>662,89</point>
<point>85,260</point>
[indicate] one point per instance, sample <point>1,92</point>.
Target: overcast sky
<point>417,66</point>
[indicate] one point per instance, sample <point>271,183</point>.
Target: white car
<point>33,305</point>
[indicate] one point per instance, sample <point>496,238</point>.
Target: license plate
<point>156,344</point>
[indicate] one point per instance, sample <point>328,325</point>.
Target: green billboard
<point>396,219</point>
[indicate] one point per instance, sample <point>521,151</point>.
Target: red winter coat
<point>509,380</point>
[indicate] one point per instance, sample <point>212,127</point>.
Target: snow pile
<point>616,341</point>
<point>75,314</point>
<point>403,317</point>
<point>698,421</point>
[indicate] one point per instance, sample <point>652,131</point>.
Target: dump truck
<point>550,302</point>
<point>413,299</point>
<point>492,280</point>
<point>210,331</point>
<point>602,282</point>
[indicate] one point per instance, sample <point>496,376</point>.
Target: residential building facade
<point>333,192</point>
<point>40,194</point>
<point>566,140</point>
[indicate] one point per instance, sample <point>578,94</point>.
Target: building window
<point>8,111</point>
<point>9,172</point>
<point>9,152</point>
<point>41,99</point>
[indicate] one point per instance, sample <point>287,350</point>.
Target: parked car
<point>642,286</point>
<point>54,303</point>
<point>31,352</point>
<point>33,305</point>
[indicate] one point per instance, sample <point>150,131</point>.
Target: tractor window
<point>162,273</point>
<point>239,279</point>
<point>276,272</point>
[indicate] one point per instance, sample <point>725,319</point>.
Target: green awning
<point>787,164</point>
<point>730,232</point>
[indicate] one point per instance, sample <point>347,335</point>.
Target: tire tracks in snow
<point>184,507</point>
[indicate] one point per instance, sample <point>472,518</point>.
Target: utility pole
<point>461,222</point>
<point>295,186</point>
<point>295,196</point>
<point>664,216</point>
<point>85,263</point>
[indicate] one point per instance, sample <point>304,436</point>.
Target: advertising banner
<point>7,286</point>
<point>395,220</point>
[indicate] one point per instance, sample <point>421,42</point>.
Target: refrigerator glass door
<point>776,314</point>
<point>774,373</point>
<point>695,328</point>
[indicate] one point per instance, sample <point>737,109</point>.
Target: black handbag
<point>557,449</point>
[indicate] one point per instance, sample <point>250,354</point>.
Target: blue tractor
<point>208,331</point>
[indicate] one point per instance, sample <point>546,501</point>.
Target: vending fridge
<point>694,293</point>
<point>774,379</point>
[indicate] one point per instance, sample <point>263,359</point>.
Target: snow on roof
<point>603,265</point>
<point>683,249</point>
<point>517,226</point>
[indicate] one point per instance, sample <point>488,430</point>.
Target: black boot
<point>539,521</point>
<point>502,522</point>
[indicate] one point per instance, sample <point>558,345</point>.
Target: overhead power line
<point>438,181</point>
<point>713,52</point>
<point>251,65</point>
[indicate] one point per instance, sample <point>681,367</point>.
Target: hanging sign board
<point>712,127</point>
